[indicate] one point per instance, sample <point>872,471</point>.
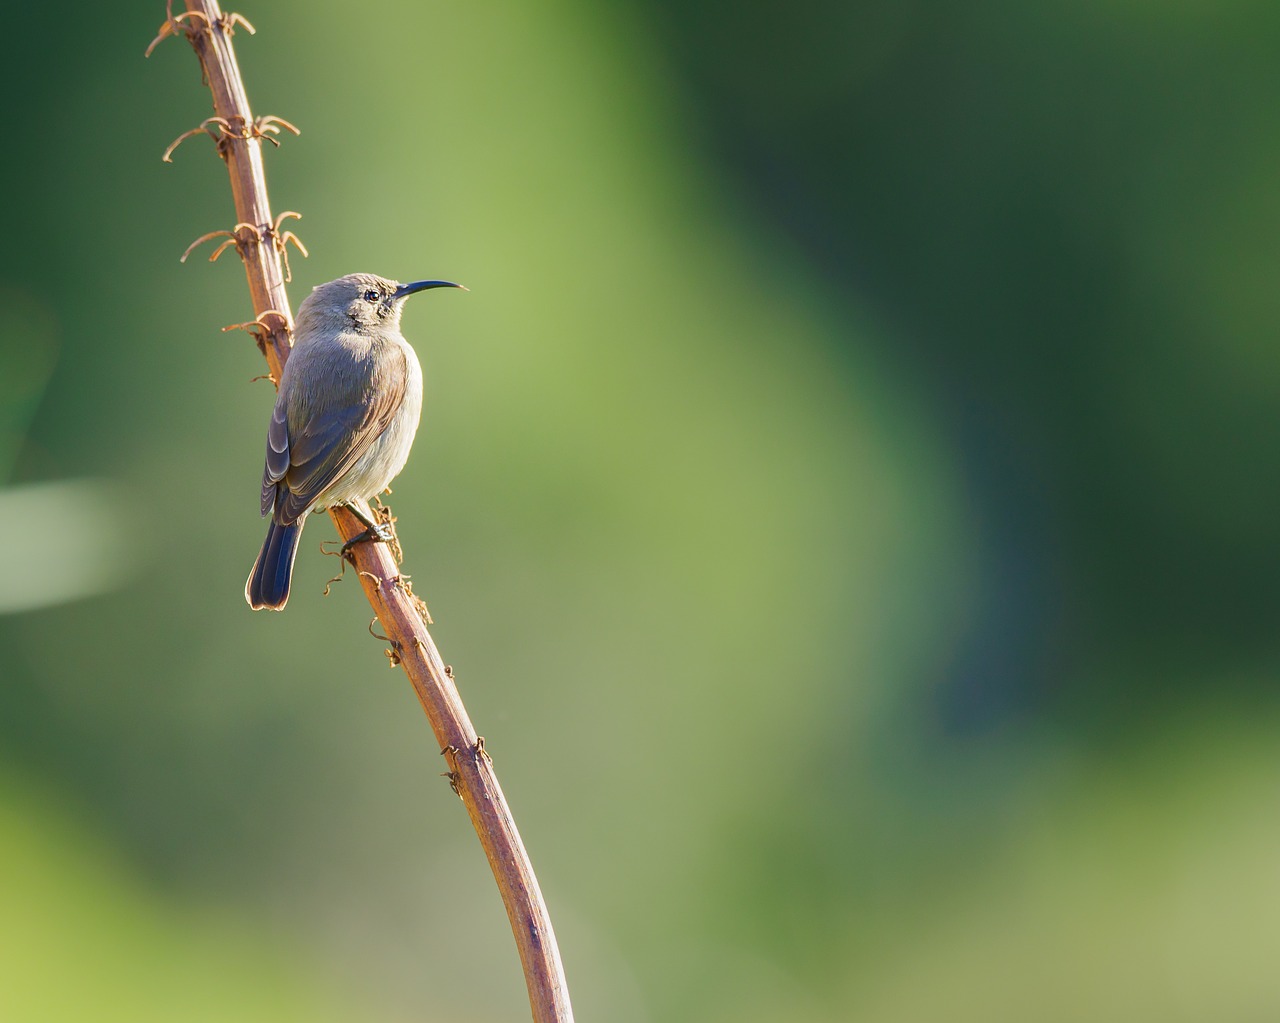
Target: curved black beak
<point>405,290</point>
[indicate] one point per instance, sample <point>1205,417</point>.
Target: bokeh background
<point>847,497</point>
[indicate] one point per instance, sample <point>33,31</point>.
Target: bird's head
<point>362,302</point>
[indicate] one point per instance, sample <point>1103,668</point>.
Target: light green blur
<point>697,535</point>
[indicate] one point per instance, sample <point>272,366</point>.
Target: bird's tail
<point>268,584</point>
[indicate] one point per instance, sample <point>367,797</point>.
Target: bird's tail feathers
<point>268,583</point>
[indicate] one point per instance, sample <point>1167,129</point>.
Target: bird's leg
<point>374,532</point>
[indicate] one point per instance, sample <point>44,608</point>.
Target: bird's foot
<point>375,532</point>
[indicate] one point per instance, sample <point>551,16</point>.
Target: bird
<point>345,416</point>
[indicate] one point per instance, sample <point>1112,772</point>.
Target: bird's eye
<point>371,296</point>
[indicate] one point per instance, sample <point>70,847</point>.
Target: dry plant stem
<point>470,769</point>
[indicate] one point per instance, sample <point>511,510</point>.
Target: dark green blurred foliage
<point>847,496</point>
<point>1066,212</point>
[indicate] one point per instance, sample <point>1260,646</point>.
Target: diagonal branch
<point>260,244</point>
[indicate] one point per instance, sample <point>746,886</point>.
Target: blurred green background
<point>847,497</point>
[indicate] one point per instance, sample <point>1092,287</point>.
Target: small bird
<point>347,409</point>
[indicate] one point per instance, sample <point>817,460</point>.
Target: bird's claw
<point>377,532</point>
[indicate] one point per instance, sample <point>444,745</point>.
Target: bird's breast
<point>387,454</point>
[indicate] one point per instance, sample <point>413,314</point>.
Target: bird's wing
<point>323,446</point>
<point>277,454</point>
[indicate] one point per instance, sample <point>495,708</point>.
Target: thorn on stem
<point>201,240</point>
<point>406,585</point>
<point>230,20</point>
<point>281,239</point>
<point>393,654</point>
<point>262,330</point>
<point>173,25</point>
<point>268,127</point>
<point>204,127</point>
<point>450,753</point>
<point>254,230</point>
<point>341,572</point>
<point>253,327</point>
<point>165,31</point>
<point>233,238</point>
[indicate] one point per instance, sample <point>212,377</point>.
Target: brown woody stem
<point>470,768</point>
